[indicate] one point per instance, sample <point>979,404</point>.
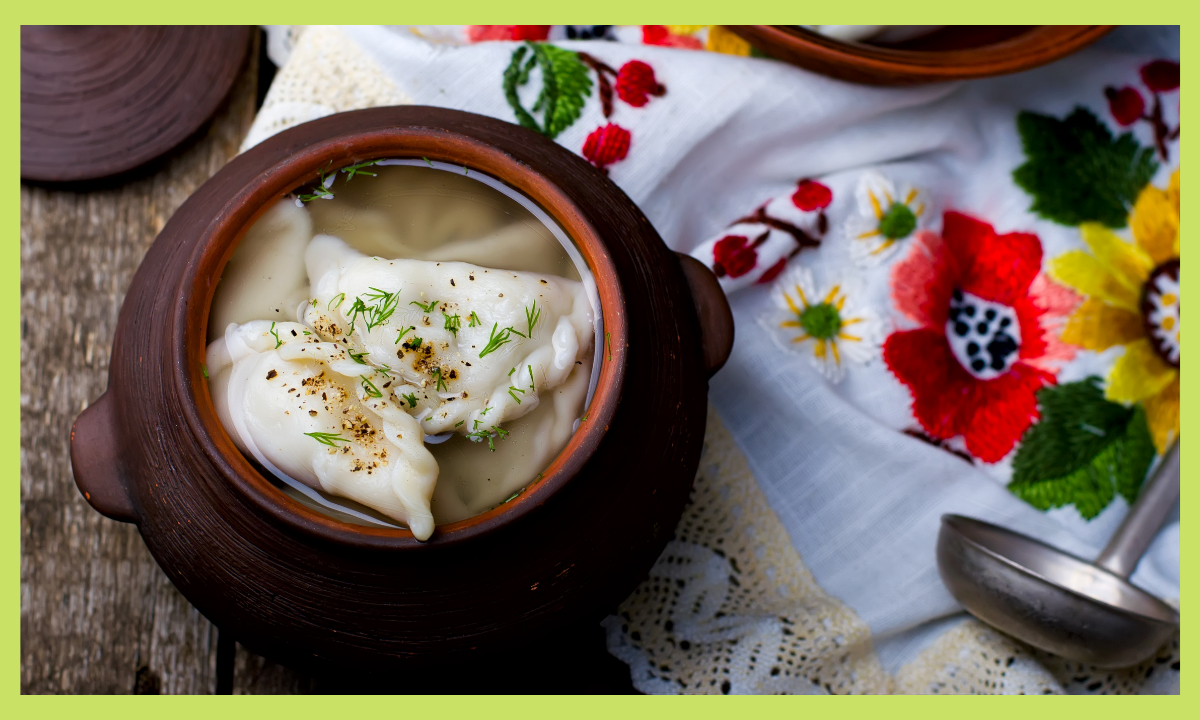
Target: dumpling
<point>307,409</point>
<point>474,347</point>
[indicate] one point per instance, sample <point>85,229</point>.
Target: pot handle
<point>712,307</point>
<point>94,461</point>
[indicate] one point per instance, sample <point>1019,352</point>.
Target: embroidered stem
<point>602,72</point>
<point>802,238</point>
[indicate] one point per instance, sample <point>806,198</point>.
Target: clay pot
<point>308,590</point>
<point>955,52</point>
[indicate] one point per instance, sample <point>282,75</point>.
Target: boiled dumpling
<point>307,409</point>
<point>472,347</point>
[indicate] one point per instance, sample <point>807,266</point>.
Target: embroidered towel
<point>955,298</point>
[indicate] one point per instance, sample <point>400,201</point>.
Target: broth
<point>441,214</point>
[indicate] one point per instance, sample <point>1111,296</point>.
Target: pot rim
<point>342,147</point>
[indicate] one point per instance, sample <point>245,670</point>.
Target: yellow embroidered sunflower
<point>1133,300</point>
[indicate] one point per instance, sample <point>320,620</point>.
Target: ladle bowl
<point>1055,601</point>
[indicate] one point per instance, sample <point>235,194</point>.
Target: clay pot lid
<point>97,101</point>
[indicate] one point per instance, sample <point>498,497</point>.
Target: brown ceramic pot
<point>955,52</point>
<point>308,590</point>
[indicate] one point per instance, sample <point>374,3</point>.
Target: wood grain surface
<point>97,613</point>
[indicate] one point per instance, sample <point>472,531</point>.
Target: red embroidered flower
<point>635,83</point>
<point>734,255</point>
<point>1125,104</point>
<point>661,35</point>
<point>606,145</point>
<point>985,344</point>
<point>811,195</point>
<point>1161,75</point>
<point>483,33</point>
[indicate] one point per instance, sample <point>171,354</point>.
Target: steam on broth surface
<point>432,343</point>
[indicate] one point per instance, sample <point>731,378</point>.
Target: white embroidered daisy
<point>885,218</point>
<point>827,323</point>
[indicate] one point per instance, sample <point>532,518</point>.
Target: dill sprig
<point>498,339</point>
<point>278,342</point>
<point>532,316</point>
<point>441,382</point>
<point>453,323</point>
<point>414,344</point>
<point>411,399</point>
<point>325,438</point>
<point>427,161</point>
<point>370,389</point>
<point>204,370</point>
<point>459,423</point>
<point>336,301</point>
<point>382,305</point>
<point>357,357</point>
<point>532,384</point>
<point>489,435</point>
<point>425,307</point>
<point>484,411</point>
<point>511,371</point>
<point>512,390</point>
<point>353,170</point>
<point>384,371</point>
<point>404,332</point>
<point>473,320</point>
<point>320,190</point>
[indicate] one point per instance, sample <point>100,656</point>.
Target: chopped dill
<point>370,389</point>
<point>314,302</point>
<point>608,342</point>
<point>411,399</point>
<point>489,435</point>
<point>484,411</point>
<point>441,382</point>
<point>204,370</point>
<point>383,304</point>
<point>404,332</point>
<point>473,320</point>
<point>453,323</point>
<point>512,390</point>
<point>532,315</point>
<point>414,344</point>
<point>427,161</point>
<point>325,438</point>
<point>353,170</point>
<point>460,422</point>
<point>498,338</point>
<point>510,372</point>
<point>321,190</point>
<point>384,371</point>
<point>278,342</point>
<point>476,425</point>
<point>532,384</point>
<point>336,301</point>
<point>357,357</point>
<point>425,307</point>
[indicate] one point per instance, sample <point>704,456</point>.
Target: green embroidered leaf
<point>1084,451</point>
<point>572,86</point>
<point>1077,173</point>
<point>566,86</point>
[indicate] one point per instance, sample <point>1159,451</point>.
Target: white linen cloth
<point>859,499</point>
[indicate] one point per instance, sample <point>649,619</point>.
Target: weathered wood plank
<point>95,608</point>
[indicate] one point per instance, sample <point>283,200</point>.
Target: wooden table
<point>97,613</point>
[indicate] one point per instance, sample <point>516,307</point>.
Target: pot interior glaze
<point>475,158</point>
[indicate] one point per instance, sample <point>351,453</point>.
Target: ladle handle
<point>1159,494</point>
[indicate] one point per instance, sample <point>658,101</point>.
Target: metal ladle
<point>1083,611</point>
